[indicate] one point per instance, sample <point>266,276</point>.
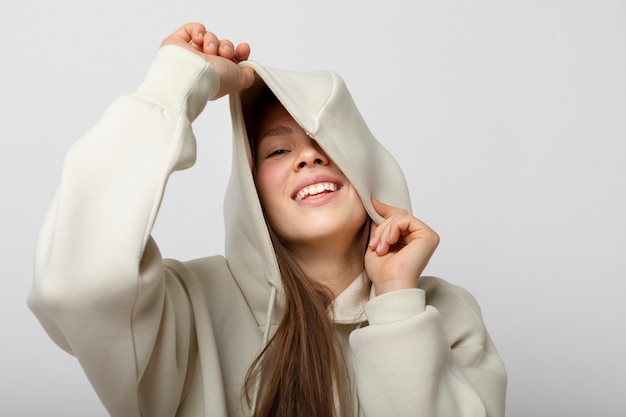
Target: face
<point>306,197</point>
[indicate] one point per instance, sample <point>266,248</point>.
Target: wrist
<point>387,286</point>
<point>179,81</point>
<point>395,305</point>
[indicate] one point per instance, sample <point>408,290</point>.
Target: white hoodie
<point>167,338</point>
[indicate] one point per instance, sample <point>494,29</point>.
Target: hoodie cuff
<point>395,305</point>
<point>179,81</point>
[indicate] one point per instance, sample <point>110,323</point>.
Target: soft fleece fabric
<point>167,338</point>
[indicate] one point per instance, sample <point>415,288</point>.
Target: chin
<point>330,225</point>
<point>345,231</point>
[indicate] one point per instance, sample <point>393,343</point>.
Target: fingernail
<point>212,46</point>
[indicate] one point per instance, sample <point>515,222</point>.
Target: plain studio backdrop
<point>509,119</point>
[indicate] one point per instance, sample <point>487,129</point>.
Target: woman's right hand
<point>221,53</point>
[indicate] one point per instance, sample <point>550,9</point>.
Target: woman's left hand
<point>399,249</point>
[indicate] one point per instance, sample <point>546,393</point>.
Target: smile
<point>316,190</point>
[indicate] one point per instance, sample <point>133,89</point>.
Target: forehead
<point>273,115</point>
<point>275,121</point>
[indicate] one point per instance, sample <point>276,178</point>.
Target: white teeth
<point>315,189</point>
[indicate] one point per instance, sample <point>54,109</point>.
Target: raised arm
<point>426,351</point>
<point>100,289</point>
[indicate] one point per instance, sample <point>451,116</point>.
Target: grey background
<point>509,119</point>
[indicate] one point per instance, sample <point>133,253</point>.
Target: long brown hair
<point>299,370</point>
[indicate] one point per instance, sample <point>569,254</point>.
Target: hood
<point>321,104</point>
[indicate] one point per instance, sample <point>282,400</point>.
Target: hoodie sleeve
<point>436,360</point>
<point>100,289</point>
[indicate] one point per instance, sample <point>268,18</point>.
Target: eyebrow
<point>276,131</point>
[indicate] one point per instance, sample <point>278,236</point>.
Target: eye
<point>275,147</point>
<point>277,152</point>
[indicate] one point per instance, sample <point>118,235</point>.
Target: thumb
<point>247,77</point>
<point>385,210</point>
<point>233,77</point>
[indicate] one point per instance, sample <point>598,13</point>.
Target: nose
<point>310,155</point>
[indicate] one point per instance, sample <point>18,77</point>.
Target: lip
<point>315,179</point>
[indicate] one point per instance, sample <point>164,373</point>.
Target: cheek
<point>357,204</point>
<point>270,183</point>
<point>360,214</point>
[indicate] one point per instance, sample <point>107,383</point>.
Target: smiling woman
<point>309,202</point>
<point>318,307</point>
<point>319,228</point>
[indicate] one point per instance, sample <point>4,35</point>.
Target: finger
<point>226,49</point>
<point>190,32</point>
<point>197,33</point>
<point>210,43</point>
<point>242,52</point>
<point>185,34</point>
<point>400,230</point>
<point>373,236</point>
<point>386,210</point>
<point>384,236</point>
<point>390,233</point>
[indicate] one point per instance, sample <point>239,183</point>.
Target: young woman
<point>317,307</point>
